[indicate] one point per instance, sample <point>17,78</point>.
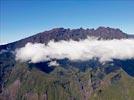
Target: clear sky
<point>22,18</point>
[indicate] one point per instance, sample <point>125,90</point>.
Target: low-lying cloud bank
<point>105,50</point>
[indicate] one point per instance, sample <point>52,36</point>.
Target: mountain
<point>70,80</point>
<point>66,34</point>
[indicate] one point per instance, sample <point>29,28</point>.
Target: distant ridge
<point>65,34</point>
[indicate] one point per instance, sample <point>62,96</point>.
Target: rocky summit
<point>58,34</point>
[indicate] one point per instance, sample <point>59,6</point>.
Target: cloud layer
<point>105,50</point>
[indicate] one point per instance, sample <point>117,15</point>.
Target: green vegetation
<point>67,84</point>
<point>123,89</point>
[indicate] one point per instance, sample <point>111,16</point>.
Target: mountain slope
<point>30,83</point>
<point>66,34</point>
<point>70,80</point>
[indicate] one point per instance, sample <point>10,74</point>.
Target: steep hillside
<point>68,81</point>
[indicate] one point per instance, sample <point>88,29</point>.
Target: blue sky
<point>22,18</point>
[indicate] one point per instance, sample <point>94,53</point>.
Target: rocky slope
<point>66,34</point>
<point>85,80</point>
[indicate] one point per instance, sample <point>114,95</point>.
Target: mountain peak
<point>58,34</point>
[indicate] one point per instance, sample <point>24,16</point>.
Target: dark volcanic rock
<point>66,34</point>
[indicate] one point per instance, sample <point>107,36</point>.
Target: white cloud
<point>53,63</point>
<point>105,50</point>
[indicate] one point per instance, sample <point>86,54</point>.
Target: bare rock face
<point>35,96</point>
<point>66,34</point>
<point>11,92</point>
<point>13,89</point>
<point>31,96</point>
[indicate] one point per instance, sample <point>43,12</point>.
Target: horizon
<point>28,18</point>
